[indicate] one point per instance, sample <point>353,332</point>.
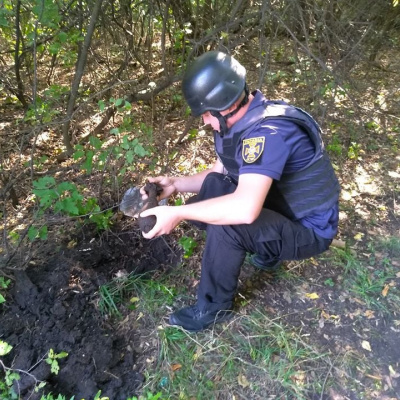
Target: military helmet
<point>213,82</point>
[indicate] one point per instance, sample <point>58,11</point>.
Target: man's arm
<point>241,207</point>
<point>192,184</point>
<point>184,184</point>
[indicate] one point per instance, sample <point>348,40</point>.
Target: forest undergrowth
<point>84,298</point>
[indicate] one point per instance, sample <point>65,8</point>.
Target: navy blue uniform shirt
<point>286,149</point>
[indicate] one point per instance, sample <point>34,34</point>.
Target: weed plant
<point>136,292</point>
<point>366,279</point>
<point>252,356</point>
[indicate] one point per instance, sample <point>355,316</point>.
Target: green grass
<point>367,275</point>
<point>391,245</point>
<point>251,357</point>
<point>258,355</point>
<point>135,292</point>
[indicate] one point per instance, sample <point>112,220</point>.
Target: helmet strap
<point>222,119</point>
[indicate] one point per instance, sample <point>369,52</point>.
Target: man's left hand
<point>167,219</point>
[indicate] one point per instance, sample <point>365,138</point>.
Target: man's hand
<point>168,217</point>
<point>167,184</point>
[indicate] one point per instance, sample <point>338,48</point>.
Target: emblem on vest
<point>252,149</point>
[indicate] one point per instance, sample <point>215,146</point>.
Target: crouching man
<point>272,191</point>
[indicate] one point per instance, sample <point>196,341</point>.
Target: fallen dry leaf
<point>365,345</point>
<point>358,301</point>
<point>385,290</point>
<point>369,314</point>
<point>141,315</point>
<point>358,236</point>
<point>134,299</point>
<point>356,313</point>
<point>176,367</point>
<point>325,314</point>
<point>393,373</point>
<point>328,316</point>
<point>71,244</point>
<point>242,381</point>
<point>377,378</point>
<point>299,377</point>
<point>312,296</point>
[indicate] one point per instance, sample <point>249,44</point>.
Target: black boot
<point>193,320</point>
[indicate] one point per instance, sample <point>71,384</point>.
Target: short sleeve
<point>264,152</point>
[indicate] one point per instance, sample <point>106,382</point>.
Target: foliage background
<point>91,105</point>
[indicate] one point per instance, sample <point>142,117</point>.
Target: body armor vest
<point>311,189</point>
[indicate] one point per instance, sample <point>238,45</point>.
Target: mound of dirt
<point>54,305</point>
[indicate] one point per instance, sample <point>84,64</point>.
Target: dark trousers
<point>272,235</point>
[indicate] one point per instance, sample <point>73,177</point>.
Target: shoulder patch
<point>252,149</point>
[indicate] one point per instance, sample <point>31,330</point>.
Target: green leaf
<point>91,205</point>
<point>46,199</point>
<point>40,386</point>
<point>193,133</point>
<point>66,187</point>
<point>14,236</point>
<point>62,37</point>
<point>4,283</point>
<point>95,142</point>
<point>188,244</point>
<point>5,15</point>
<point>54,367</point>
<point>129,156</point>
<point>43,233</point>
<point>140,150</point>
<point>103,156</point>
<point>2,300</point>
<point>54,48</point>
<point>67,205</point>
<point>125,143</point>
<point>11,377</point>
<point>44,183</point>
<point>102,105</point>
<point>119,102</point>
<point>78,154</point>
<point>32,233</point>
<point>5,348</point>
<point>88,164</point>
<point>63,354</point>
<point>114,131</point>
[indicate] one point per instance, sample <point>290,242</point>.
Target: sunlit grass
<point>257,355</point>
<point>135,292</point>
<point>370,279</point>
<point>252,356</point>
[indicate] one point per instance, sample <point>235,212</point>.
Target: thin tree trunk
<point>80,67</point>
<point>20,91</point>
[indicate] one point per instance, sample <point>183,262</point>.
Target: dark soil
<point>54,305</point>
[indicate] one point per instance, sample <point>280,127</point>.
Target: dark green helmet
<point>213,82</point>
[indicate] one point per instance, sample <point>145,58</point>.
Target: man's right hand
<point>165,182</point>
